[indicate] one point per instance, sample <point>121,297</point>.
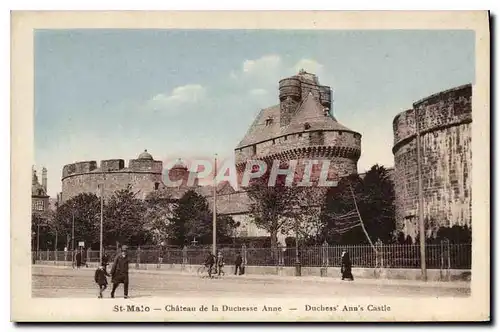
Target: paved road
<point>66,282</point>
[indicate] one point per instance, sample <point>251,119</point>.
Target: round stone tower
<point>301,128</point>
<point>143,174</point>
<point>444,123</point>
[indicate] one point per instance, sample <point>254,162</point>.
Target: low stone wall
<point>332,272</point>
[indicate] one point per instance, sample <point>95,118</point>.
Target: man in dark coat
<point>237,264</point>
<point>78,259</point>
<point>346,266</point>
<point>119,272</point>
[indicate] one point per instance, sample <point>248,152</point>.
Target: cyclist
<point>209,263</point>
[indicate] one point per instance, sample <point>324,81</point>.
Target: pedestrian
<point>84,257</point>
<point>209,263</point>
<point>78,259</point>
<point>105,260</point>
<point>220,263</point>
<point>237,265</point>
<point>119,272</point>
<point>100,279</point>
<point>346,266</point>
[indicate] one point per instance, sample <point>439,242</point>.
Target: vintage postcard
<point>250,166</point>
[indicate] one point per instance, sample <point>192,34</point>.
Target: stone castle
<point>302,126</point>
<point>144,175</point>
<point>443,121</point>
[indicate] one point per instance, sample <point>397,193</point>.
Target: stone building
<point>444,123</point>
<point>40,203</point>
<point>143,174</point>
<point>301,126</point>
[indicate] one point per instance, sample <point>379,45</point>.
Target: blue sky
<point>102,94</point>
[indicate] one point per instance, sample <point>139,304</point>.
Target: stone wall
<point>143,183</point>
<point>446,157</point>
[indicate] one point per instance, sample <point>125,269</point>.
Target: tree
<point>374,197</point>
<point>124,219</point>
<point>157,215</point>
<point>85,208</point>
<point>192,218</point>
<point>274,207</point>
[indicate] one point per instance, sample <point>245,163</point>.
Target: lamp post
<point>101,230</point>
<point>420,199</point>
<point>214,212</point>
<point>73,239</point>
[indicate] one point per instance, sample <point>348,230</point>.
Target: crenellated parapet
<point>143,174</point>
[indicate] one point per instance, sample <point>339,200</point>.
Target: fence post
<point>138,257</point>
<point>244,254</point>
<point>379,258</point>
<point>184,256</point>
<point>324,259</point>
<point>48,255</point>
<point>445,260</point>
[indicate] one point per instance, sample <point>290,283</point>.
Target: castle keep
<point>444,122</point>
<point>300,127</point>
<point>143,174</point>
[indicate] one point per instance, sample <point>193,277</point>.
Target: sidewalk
<point>365,281</point>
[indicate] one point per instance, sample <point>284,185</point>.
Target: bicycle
<point>203,271</point>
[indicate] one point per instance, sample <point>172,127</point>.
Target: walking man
<point>237,264</point>
<point>119,272</point>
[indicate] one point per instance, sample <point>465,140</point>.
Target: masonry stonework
<point>300,128</point>
<point>444,123</point>
<point>143,174</point>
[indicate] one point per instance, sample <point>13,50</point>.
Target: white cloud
<point>191,93</point>
<point>309,65</point>
<point>258,92</point>
<point>262,65</point>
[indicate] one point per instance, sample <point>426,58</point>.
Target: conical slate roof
<point>262,129</point>
<point>309,111</point>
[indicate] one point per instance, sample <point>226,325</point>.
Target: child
<point>100,279</point>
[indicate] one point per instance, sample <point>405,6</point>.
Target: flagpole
<point>214,211</point>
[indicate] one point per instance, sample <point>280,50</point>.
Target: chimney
<point>44,178</point>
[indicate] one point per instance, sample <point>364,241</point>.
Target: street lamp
<point>101,229</point>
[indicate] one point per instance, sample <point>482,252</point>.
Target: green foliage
<point>192,217</point>
<point>85,209</point>
<point>374,195</point>
<point>274,208</point>
<point>124,219</point>
<point>157,215</point>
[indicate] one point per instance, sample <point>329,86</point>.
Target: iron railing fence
<point>438,256</point>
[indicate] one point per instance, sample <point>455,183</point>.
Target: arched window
<point>157,185</point>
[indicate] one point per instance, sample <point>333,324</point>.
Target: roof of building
<point>267,123</point>
<point>145,155</point>
<point>180,164</point>
<point>36,188</point>
<point>312,113</point>
<point>261,129</point>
